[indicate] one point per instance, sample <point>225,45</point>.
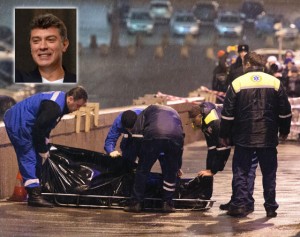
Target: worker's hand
<point>205,173</point>
<point>115,154</point>
<point>44,156</point>
<point>180,173</point>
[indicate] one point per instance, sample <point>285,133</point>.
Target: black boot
<point>225,207</point>
<point>134,207</point>
<point>35,198</point>
<point>168,207</point>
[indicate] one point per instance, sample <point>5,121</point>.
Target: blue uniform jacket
<point>115,132</point>
<point>21,118</point>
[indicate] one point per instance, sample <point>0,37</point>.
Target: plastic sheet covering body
<point>78,177</point>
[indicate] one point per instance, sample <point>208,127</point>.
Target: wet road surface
<point>17,219</point>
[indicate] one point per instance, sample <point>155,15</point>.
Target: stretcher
<point>74,177</point>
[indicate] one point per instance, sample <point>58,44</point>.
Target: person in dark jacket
<point>207,117</point>
<point>220,76</point>
<point>48,43</point>
<point>29,123</point>
<point>162,132</point>
<point>256,109</point>
<point>236,69</point>
<point>122,125</point>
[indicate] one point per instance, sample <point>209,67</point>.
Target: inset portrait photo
<point>46,45</point>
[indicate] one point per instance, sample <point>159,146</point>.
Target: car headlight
<point>194,28</point>
<point>238,28</point>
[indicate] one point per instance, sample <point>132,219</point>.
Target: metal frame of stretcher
<point>118,202</point>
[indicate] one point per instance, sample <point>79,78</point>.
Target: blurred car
<point>229,24</point>
<point>286,29</point>
<point>297,23</point>
<point>264,23</point>
<point>250,10</point>
<point>206,12</point>
<point>140,21</point>
<point>6,68</point>
<point>123,8</point>
<point>275,23</point>
<point>5,35</point>
<point>183,23</point>
<point>161,11</point>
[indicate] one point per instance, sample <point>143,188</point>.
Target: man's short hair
<point>128,119</point>
<point>255,59</point>
<point>78,93</point>
<point>48,20</point>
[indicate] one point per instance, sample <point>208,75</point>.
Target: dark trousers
<point>241,168</point>
<point>250,181</point>
<point>150,151</point>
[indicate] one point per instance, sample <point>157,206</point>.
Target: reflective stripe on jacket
<point>256,107</point>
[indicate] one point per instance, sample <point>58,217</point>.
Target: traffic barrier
<point>20,194</point>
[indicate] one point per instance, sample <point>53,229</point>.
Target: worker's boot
<point>35,198</point>
<point>168,207</point>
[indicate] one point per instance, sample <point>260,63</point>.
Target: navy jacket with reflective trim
<point>159,122</point>
<point>255,109</point>
<point>217,155</point>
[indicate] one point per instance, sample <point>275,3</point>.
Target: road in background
<point>115,80</point>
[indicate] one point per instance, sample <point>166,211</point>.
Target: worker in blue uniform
<point>255,112</point>
<point>28,125</point>
<point>122,125</point>
<point>162,132</point>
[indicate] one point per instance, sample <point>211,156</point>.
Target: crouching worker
<point>28,125</point>
<point>206,116</point>
<point>162,132</point>
<point>122,125</point>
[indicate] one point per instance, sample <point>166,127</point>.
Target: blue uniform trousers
<point>151,150</point>
<point>241,168</point>
<point>250,181</point>
<point>29,161</point>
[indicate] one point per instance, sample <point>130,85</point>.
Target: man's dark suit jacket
<point>35,77</point>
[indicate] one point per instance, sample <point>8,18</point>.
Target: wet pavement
<point>17,219</point>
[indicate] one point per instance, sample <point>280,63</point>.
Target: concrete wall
<point>65,134</point>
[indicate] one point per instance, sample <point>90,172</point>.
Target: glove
<point>44,156</point>
<point>114,154</point>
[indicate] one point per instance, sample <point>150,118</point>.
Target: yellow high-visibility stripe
<point>213,115</point>
<point>255,80</point>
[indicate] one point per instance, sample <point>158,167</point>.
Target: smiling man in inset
<point>48,43</point>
